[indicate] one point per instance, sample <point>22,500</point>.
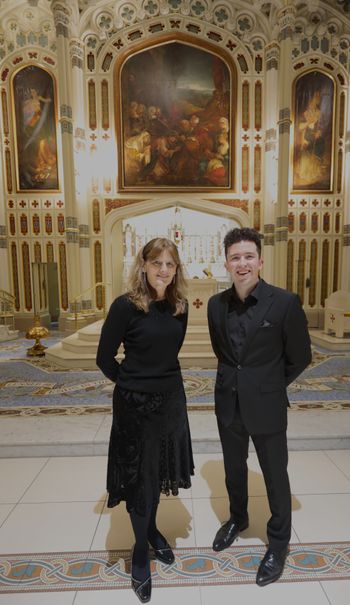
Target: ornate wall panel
<point>98,275</point>
<point>96,220</point>
<point>341,114</point>
<point>15,279</point>
<point>313,273</point>
<point>48,224</point>
<point>245,168</point>
<point>301,270</point>
<point>245,105</point>
<point>92,105</point>
<point>23,224</point>
<point>36,224</point>
<point>291,222</point>
<point>324,271</point>
<point>336,265</point>
<point>8,171</point>
<point>314,222</point>
<point>37,254</point>
<point>257,168</point>
<point>340,171</point>
<point>12,224</point>
<point>50,258</point>
<point>105,104</point>
<point>290,265</point>
<point>27,277</point>
<point>63,275</point>
<point>258,105</point>
<point>5,119</point>
<point>257,215</point>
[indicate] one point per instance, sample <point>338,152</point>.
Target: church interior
<point>125,120</point>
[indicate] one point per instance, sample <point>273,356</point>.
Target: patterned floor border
<point>59,571</point>
<point>88,410</point>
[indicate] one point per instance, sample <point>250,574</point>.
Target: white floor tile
<point>174,519</point>
<point>338,593</point>
<point>287,593</point>
<point>16,475</point>
<point>315,473</point>
<point>50,527</point>
<point>209,514</point>
<point>160,596</point>
<point>341,459</point>
<point>52,598</point>
<point>322,518</point>
<point>5,509</point>
<point>70,479</point>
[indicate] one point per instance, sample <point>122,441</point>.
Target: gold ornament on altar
<point>37,332</point>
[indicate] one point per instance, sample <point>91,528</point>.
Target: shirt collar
<point>255,293</point>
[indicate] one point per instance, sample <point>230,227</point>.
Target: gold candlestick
<point>37,332</point>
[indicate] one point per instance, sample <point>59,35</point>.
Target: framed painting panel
<point>34,104</point>
<point>175,119</point>
<point>313,104</point>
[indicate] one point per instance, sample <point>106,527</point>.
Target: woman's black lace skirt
<point>150,448</point>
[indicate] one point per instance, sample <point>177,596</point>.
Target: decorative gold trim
<point>324,271</point>
<point>258,105</point>
<point>245,105</point>
<point>336,265</point>
<point>313,272</point>
<point>257,168</point>
<point>98,275</point>
<point>8,171</point>
<point>27,277</point>
<point>105,104</point>
<point>341,114</point>
<point>92,105</point>
<point>15,275</point>
<point>301,270</point>
<point>5,118</point>
<point>290,265</point>
<point>63,275</point>
<point>245,168</point>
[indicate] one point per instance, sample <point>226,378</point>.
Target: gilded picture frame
<point>175,122</point>
<point>313,138</point>
<point>35,120</point>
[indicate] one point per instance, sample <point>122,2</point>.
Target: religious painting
<point>313,132</point>
<point>35,122</point>
<point>175,119</point>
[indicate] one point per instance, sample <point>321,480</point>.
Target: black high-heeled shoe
<point>165,555</point>
<point>143,589</point>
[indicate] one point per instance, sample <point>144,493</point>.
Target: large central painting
<point>175,120</point>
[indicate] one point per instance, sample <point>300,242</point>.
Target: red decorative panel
<point>290,265</point>
<point>48,224</point>
<point>27,277</point>
<point>291,222</point>
<point>257,168</point>
<point>245,168</point>
<point>12,223</point>
<point>302,222</point>
<point>24,224</point>
<point>5,120</point>
<point>63,275</point>
<point>15,275</point>
<point>258,105</point>
<point>325,271</point>
<point>49,253</point>
<point>313,273</point>
<point>301,270</point>
<point>341,114</point>
<point>98,275</point>
<point>96,221</point>
<point>340,171</point>
<point>245,105</point>
<point>326,222</point>
<point>60,224</point>
<point>92,105</point>
<point>37,253</point>
<point>336,266</point>
<point>8,171</point>
<point>36,224</point>
<point>105,104</point>
<point>337,222</point>
<point>257,215</point>
<point>314,222</point>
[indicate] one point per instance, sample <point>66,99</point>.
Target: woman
<point>150,448</point>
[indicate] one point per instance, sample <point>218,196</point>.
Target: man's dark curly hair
<point>239,235</point>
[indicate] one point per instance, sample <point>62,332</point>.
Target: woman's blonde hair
<point>141,292</point>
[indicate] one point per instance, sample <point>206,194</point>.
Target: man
<point>259,335</point>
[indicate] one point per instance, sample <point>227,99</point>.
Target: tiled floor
<point>58,504</point>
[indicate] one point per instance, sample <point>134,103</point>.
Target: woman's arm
<point>112,335</point>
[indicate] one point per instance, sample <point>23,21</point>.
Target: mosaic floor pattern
<point>46,572</point>
<point>34,387</point>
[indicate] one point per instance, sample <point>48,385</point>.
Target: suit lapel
<point>262,306</point>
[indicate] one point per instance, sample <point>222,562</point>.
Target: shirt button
<point>239,367</point>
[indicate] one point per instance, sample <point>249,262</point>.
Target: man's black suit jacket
<point>277,349</point>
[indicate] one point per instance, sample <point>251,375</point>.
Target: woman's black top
<point>151,345</point>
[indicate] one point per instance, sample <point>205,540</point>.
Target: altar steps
<point>78,350</point>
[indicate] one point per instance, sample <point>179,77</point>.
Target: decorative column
<point>81,177</point>
<point>345,266</point>
<point>63,15</point>
<point>270,161</point>
<point>286,19</point>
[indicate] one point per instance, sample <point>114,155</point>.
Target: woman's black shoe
<point>165,555</point>
<point>143,589</point>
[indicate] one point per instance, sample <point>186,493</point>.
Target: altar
<point>199,292</point>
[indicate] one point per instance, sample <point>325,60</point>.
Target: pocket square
<point>266,324</point>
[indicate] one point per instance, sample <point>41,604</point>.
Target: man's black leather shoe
<point>227,534</point>
<point>271,567</point>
